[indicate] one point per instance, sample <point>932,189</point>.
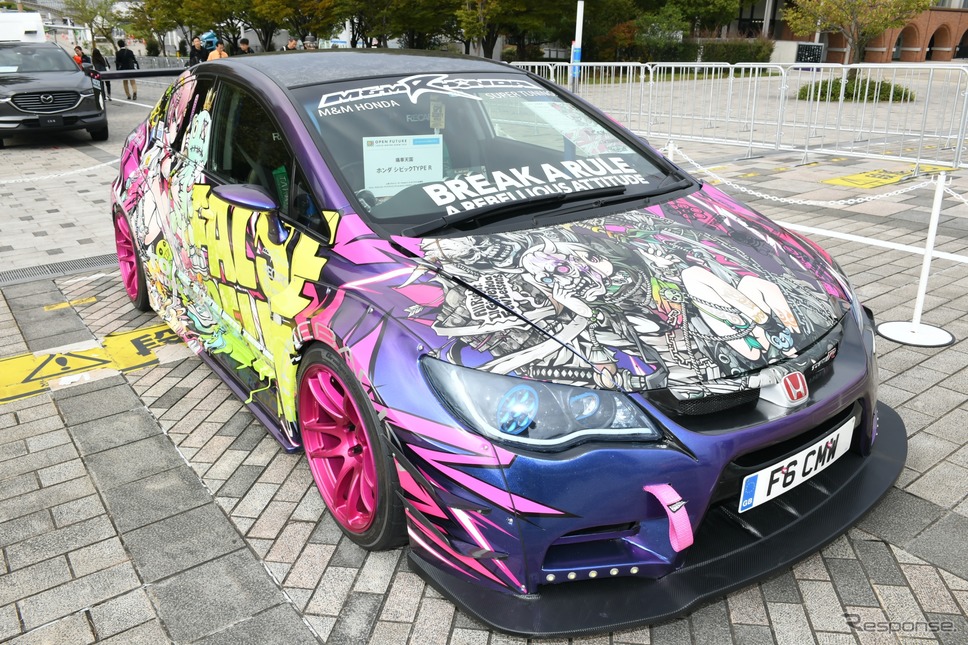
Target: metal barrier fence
<point>161,62</point>
<point>913,113</point>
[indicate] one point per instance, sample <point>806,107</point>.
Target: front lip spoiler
<point>576,609</point>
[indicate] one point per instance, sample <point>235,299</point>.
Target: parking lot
<point>140,502</point>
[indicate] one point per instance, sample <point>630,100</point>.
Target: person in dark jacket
<point>244,47</point>
<point>80,57</point>
<point>101,64</point>
<point>197,53</point>
<point>125,60</point>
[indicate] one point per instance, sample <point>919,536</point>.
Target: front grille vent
<point>46,102</point>
<point>704,405</point>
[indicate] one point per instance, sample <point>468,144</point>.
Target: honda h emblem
<point>795,387</point>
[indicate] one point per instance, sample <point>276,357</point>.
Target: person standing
<point>293,45</point>
<point>219,52</point>
<point>244,47</point>
<point>125,60</point>
<point>100,63</point>
<point>197,53</point>
<point>80,57</point>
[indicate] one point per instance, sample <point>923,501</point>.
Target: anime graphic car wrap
<point>543,392</point>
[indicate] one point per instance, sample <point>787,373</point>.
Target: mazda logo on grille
<point>47,99</point>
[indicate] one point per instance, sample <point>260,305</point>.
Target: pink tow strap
<point>680,530</point>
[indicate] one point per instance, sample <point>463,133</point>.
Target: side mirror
<point>87,67</point>
<point>249,196</point>
<point>255,198</point>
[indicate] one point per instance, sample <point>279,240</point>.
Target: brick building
<point>938,34</point>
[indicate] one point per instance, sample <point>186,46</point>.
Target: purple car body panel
<point>691,300</point>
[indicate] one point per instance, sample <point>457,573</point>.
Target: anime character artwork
<point>635,301</point>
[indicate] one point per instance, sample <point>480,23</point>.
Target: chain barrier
<point>956,195</point>
<point>24,180</point>
<point>802,202</point>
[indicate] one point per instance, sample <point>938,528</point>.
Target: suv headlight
<point>533,414</point>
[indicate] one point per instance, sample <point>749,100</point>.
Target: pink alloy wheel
<point>338,448</point>
<point>126,257</point>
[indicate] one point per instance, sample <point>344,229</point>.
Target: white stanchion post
<point>671,151</point>
<point>914,332</point>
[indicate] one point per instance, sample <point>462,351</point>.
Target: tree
<point>153,18</point>
<point>657,31</point>
<point>97,15</point>
<point>420,24</point>
<point>224,17</point>
<point>264,17</point>
<point>858,21</point>
<point>479,20</point>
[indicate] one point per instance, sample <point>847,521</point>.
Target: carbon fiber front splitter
<point>730,552</point>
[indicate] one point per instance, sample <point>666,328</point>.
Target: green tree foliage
<point>480,22</point>
<point>708,16</point>
<point>98,16</point>
<point>152,18</point>
<point>264,18</point>
<point>658,32</point>
<point>225,17</point>
<point>858,21</point>
<point>422,24</point>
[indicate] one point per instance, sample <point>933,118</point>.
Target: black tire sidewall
<point>388,527</point>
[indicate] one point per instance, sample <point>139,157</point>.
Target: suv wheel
<point>101,134</point>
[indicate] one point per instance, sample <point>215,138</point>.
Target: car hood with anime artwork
<point>697,295</point>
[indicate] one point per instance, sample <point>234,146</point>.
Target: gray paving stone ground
<point>149,507</point>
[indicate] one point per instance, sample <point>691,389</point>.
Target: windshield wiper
<point>669,184</point>
<point>664,187</point>
<point>545,202</point>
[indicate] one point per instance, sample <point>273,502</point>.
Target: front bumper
<point>14,123</point>
<point>734,552</point>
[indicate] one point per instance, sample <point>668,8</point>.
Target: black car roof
<point>294,69</point>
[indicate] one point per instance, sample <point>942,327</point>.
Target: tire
<point>129,261</point>
<point>101,134</point>
<point>347,454</point>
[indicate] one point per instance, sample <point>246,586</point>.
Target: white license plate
<point>777,479</point>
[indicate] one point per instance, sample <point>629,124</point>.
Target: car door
<point>258,260</point>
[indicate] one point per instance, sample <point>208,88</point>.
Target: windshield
<point>30,58</point>
<point>445,145</point>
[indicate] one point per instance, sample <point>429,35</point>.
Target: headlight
<point>532,414</point>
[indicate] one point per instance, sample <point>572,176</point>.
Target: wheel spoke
<point>337,446</point>
<point>328,398</point>
<point>326,428</point>
<point>368,494</point>
<point>338,450</point>
<point>346,476</point>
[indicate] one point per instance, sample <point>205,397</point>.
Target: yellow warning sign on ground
<point>29,374</point>
<point>878,178</point>
<point>65,305</point>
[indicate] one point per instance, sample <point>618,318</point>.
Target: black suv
<point>43,90</point>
